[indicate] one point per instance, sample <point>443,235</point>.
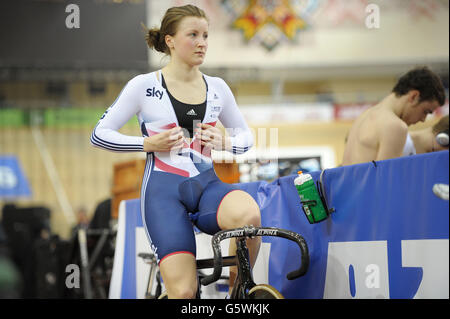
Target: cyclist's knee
<point>179,275</point>
<point>238,209</point>
<point>251,216</point>
<point>247,216</point>
<point>180,291</point>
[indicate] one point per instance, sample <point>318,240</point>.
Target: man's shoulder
<point>394,127</point>
<point>395,122</point>
<point>387,119</point>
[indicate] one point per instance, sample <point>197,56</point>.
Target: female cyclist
<point>178,108</point>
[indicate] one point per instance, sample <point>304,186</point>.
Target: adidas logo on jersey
<point>191,112</point>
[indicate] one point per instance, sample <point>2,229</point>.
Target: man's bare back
<point>363,141</point>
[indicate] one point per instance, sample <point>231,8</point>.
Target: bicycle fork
<point>244,280</point>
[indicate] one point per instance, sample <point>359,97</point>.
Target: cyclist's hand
<point>210,136</point>
<point>172,139</point>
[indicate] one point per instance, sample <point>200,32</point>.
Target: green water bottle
<point>311,201</point>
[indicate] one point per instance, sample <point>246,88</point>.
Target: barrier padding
<point>388,236</point>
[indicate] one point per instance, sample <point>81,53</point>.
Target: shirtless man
<point>381,131</point>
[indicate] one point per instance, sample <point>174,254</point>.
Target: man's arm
<point>392,140</point>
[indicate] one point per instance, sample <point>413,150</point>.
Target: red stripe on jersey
<point>169,126</point>
<point>170,169</point>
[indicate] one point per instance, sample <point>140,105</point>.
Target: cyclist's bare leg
<point>179,273</point>
<point>238,209</point>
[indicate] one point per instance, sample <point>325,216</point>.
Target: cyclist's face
<point>190,42</point>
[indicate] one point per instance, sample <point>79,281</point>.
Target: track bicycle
<point>244,286</point>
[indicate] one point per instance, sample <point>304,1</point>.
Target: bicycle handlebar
<point>250,231</point>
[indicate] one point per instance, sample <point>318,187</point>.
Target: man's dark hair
<point>423,80</point>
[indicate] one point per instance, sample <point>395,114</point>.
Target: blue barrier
<point>388,237</point>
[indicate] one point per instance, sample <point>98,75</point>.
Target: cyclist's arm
<point>105,134</point>
<point>240,138</point>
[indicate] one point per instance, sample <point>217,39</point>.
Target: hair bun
<point>154,35</point>
<point>154,40</point>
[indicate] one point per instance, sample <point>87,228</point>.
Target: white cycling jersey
<point>409,148</point>
<point>145,97</point>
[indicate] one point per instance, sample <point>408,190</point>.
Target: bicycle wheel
<point>264,292</point>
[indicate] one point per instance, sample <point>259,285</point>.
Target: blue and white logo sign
<point>13,182</point>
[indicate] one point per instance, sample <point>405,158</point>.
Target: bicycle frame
<point>244,280</point>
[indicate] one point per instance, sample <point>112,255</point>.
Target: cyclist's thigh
<point>167,223</point>
<point>238,208</point>
<point>210,201</point>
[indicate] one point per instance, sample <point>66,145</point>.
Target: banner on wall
<point>13,182</point>
<point>388,236</point>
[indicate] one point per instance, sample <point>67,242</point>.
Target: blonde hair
<point>155,37</point>
<point>441,126</point>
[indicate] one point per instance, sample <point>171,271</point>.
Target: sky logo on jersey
<point>155,93</point>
